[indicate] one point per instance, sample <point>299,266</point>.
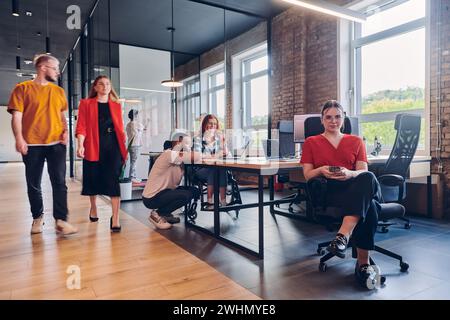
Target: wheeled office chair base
<point>384,225</point>
<point>190,210</point>
<point>404,266</point>
<point>204,207</point>
<point>234,192</point>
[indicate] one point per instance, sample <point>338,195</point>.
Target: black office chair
<point>234,191</point>
<point>287,150</point>
<point>393,176</point>
<point>167,145</point>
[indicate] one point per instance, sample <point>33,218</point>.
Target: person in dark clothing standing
<point>101,143</point>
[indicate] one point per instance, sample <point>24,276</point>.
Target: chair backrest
<point>167,145</point>
<point>405,145</point>
<point>286,138</point>
<point>313,126</point>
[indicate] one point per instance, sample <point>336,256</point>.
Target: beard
<point>50,79</point>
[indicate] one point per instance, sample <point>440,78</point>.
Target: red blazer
<point>87,125</point>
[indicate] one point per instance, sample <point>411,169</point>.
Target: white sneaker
<point>65,228</point>
<point>136,180</point>
<point>38,225</point>
<point>158,221</point>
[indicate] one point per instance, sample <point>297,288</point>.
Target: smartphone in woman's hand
<point>335,169</point>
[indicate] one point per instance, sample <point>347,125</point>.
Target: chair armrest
<point>391,180</point>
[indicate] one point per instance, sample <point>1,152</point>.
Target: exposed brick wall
<point>288,65</point>
<point>304,62</point>
<point>442,16</point>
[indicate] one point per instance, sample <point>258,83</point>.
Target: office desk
<point>262,168</point>
<point>151,158</point>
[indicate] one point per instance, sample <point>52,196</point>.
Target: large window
<point>254,91</point>
<point>389,54</point>
<point>216,94</point>
<point>250,94</point>
<point>202,95</point>
<point>189,109</point>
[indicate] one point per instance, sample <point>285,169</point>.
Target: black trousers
<point>56,167</point>
<point>168,200</point>
<point>358,196</point>
<point>207,175</point>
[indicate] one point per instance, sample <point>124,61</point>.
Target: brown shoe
<point>158,221</point>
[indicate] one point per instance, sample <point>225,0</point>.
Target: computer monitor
<point>299,126</point>
<point>271,148</point>
<point>286,138</point>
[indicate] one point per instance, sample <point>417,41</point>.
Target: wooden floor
<point>137,263</point>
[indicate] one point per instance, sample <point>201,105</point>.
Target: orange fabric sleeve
<point>16,100</point>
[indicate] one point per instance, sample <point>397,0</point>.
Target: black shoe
<point>171,219</point>
<point>208,206</point>
<point>366,275</point>
<point>92,219</point>
<point>338,246</point>
<point>114,229</point>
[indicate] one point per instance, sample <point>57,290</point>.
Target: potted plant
<point>125,182</point>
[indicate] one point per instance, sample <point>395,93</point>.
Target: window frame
<point>242,83</point>
<point>212,91</point>
<point>188,100</point>
<point>356,44</point>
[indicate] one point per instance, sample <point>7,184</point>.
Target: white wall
<point>7,142</point>
<point>141,73</point>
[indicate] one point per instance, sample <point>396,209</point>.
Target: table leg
<point>261,215</point>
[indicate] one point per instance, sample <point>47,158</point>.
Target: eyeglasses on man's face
<point>56,69</point>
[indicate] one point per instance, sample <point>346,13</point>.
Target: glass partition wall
<point>220,56</point>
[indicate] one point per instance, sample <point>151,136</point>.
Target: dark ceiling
<point>199,27</point>
<point>62,39</point>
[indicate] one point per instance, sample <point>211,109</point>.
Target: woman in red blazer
<point>101,144</point>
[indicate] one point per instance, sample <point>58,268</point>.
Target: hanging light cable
<point>171,83</point>
<point>18,47</point>
<point>47,38</point>
<point>17,36</point>
<point>15,8</point>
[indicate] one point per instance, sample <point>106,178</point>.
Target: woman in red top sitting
<point>101,144</point>
<point>341,159</point>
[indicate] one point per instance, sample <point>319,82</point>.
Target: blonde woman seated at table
<point>211,143</point>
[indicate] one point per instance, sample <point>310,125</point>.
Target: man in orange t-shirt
<point>40,129</point>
